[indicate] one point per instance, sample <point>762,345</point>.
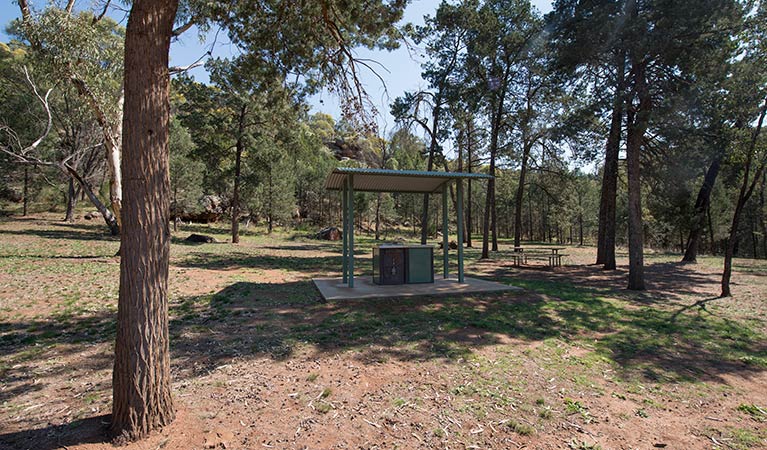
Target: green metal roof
<point>387,180</point>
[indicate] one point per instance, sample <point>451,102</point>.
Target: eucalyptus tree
<point>313,39</point>
<point>47,127</point>
<point>503,33</point>
<point>86,50</point>
<point>443,36</point>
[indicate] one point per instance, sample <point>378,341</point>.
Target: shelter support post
<point>350,195</point>
<point>459,213</point>
<point>445,240</point>
<point>344,226</point>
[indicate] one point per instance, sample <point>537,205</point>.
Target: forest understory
<point>260,361</point>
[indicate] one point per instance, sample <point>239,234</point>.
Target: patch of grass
<point>746,439</point>
<point>573,406</point>
<point>756,413</point>
<point>576,407</point>
<point>326,392</point>
<point>641,413</point>
<point>312,377</point>
<point>399,402</point>
<point>521,429</point>
<point>582,445</point>
<point>323,407</point>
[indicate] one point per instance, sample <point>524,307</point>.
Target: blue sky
<point>402,67</point>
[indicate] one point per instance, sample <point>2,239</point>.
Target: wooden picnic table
<point>521,254</point>
<point>554,250</point>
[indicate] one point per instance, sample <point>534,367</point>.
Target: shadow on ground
<point>238,260</point>
<point>64,231</point>
<point>91,430</point>
<point>251,320</point>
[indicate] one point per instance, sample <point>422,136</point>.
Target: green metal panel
<point>420,265</point>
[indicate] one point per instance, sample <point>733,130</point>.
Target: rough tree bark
<point>701,206</point>
<point>141,378</point>
<point>607,201</point>
<point>638,119</point>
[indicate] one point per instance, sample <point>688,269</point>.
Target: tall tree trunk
<point>754,240</point>
<point>607,201</point>
<point>762,220</point>
<point>460,170</point>
<point>519,198</point>
<point>429,167</point>
<point>638,121</point>
<point>489,220</point>
<point>237,170</point>
<point>529,216</point>
<point>469,167</point>
<point>490,209</point>
<point>72,194</point>
<point>141,386</point>
<point>494,219</point>
<point>743,195</point>
<point>270,204</point>
<point>712,243</point>
<point>701,206</point>
<point>25,193</point>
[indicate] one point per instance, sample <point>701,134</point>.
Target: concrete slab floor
<point>335,289</point>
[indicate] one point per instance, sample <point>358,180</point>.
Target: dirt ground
<point>259,361</point>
